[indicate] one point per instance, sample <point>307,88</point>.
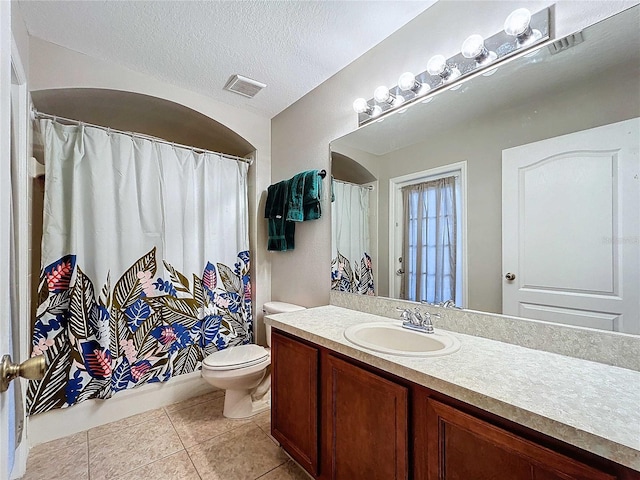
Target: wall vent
<point>243,86</point>
<point>566,43</point>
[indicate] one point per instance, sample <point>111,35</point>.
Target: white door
<point>571,228</point>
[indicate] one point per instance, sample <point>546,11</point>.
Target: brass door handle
<point>33,369</point>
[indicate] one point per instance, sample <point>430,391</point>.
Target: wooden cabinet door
<point>294,399</point>
<point>462,447</point>
<point>365,422</point>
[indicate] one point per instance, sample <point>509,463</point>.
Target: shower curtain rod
<point>37,114</point>
<point>368,187</point>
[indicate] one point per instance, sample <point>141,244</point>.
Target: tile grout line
<point>191,406</point>
<point>174,429</point>
<point>146,459</point>
<point>182,443</point>
<point>126,426</point>
<point>274,468</point>
<point>146,465</point>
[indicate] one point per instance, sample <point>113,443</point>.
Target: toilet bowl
<point>243,372</point>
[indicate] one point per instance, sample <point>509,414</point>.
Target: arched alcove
<point>347,169</point>
<point>135,112</point>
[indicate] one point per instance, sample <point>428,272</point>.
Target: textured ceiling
<point>292,46</point>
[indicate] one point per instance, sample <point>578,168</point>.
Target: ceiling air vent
<point>243,86</point>
<point>566,43</point>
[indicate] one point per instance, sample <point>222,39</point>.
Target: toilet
<point>242,371</point>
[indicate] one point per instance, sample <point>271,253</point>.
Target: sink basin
<point>391,338</point>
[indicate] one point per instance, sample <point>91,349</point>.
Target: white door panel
<point>570,228</point>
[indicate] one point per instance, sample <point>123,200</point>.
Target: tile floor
<point>190,440</point>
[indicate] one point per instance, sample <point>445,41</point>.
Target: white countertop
<point>591,405</point>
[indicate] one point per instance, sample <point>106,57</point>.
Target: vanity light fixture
<point>473,47</point>
<point>518,24</point>
<point>478,55</point>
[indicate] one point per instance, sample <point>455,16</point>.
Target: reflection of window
<point>431,241</point>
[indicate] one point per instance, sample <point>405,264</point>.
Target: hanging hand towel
<point>281,232</point>
<point>304,196</point>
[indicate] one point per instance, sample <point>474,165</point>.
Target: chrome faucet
<point>416,320</point>
<point>447,304</point>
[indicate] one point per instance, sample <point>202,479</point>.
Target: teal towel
<point>280,231</point>
<point>304,197</point>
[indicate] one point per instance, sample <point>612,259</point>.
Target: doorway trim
<point>20,118</point>
<point>395,212</point>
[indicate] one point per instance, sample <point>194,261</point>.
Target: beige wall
<point>20,36</point>
<point>52,67</point>
<point>301,133</point>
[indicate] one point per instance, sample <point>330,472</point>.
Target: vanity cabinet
<point>463,447</point>
<point>366,423</point>
<point>344,420</point>
<point>294,399</point>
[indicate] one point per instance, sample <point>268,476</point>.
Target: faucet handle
<point>405,313</point>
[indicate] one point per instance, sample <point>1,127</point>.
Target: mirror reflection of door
<point>571,230</point>
<point>428,215</point>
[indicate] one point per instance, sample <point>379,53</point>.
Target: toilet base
<point>241,404</point>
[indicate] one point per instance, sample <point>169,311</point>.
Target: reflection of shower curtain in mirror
<point>145,263</point>
<point>351,268</point>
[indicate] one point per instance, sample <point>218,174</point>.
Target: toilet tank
<point>270,308</point>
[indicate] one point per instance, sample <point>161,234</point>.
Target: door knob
<point>510,276</point>
<point>400,271</point>
<point>33,369</point>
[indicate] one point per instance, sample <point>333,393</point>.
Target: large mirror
<point>537,116</point>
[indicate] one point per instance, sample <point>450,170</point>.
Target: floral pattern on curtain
<point>145,329</point>
<point>145,263</point>
<point>351,264</point>
<point>358,279</point>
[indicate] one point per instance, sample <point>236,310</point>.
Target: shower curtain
<point>351,266</point>
<point>145,263</point>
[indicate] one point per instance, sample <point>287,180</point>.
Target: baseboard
<point>59,423</point>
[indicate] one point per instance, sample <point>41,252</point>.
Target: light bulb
<point>517,22</point>
<point>381,94</point>
<point>436,65</point>
<point>473,47</point>
<point>375,111</point>
<point>360,105</point>
<point>407,81</point>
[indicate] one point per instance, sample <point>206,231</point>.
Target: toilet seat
<point>237,357</point>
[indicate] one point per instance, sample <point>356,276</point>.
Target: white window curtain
<point>430,241</point>
<point>351,266</point>
<point>145,263</point>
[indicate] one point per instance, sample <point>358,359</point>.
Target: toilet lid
<point>236,357</point>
